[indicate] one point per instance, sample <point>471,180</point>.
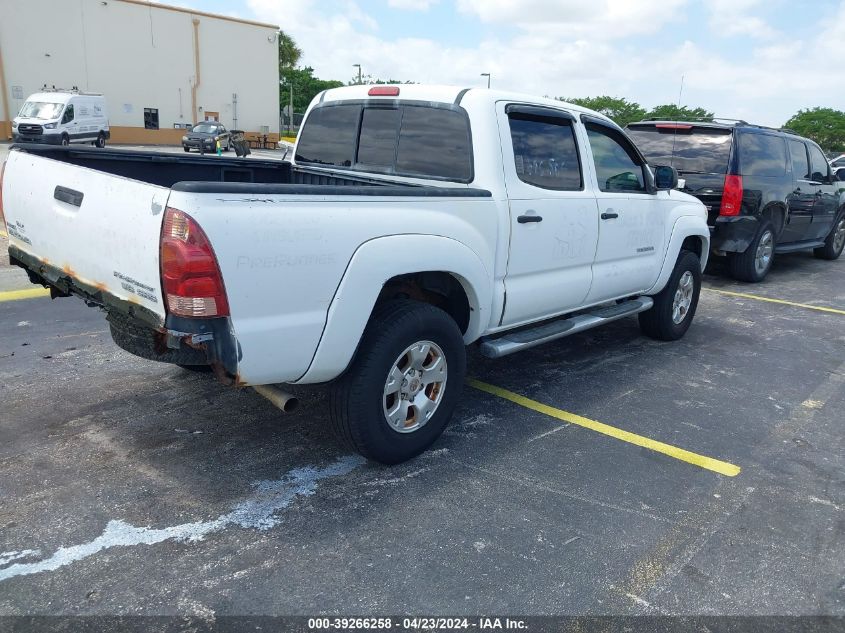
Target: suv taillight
<point>732,196</point>
<point>2,217</point>
<point>190,276</point>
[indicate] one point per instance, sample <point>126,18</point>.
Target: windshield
<point>41,110</point>
<point>695,150</point>
<point>206,128</point>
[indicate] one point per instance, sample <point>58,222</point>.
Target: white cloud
<point>411,5</point>
<point>735,17</point>
<point>600,19</point>
<point>585,52</point>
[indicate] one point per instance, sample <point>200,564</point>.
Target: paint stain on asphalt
<point>256,512</point>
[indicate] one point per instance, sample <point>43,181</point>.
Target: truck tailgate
<point>101,230</point>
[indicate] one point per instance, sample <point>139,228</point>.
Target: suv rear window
<point>762,155</point>
<point>696,149</point>
<point>405,140</point>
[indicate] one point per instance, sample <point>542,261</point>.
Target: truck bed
<point>205,174</point>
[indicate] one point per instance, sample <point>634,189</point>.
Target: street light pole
<point>359,72</point>
<point>488,78</point>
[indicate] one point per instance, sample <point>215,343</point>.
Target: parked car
<point>373,258</point>
<point>62,117</point>
<point>204,137</point>
<point>838,161</point>
<point>767,191</point>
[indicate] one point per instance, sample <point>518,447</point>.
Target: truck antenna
<point>675,132</point>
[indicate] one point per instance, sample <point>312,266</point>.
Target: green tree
<point>305,87</point>
<point>620,110</point>
<point>369,80</point>
<point>672,112</point>
<point>289,52</point>
<point>825,126</point>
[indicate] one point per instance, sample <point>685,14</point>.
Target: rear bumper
<point>214,338</point>
<point>733,234</point>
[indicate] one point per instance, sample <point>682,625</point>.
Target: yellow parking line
<point>3,233</point>
<point>745,295</point>
<point>723,468</point>
<point>17,295</point>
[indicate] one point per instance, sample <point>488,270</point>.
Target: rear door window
<point>800,163</point>
<point>328,136</point>
<point>546,153</point>
<point>762,155</point>
<point>690,149</point>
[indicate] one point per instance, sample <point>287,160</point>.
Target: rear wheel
<point>834,242</point>
<point>755,263</point>
<point>101,140</point>
<point>674,306</point>
<point>399,393</point>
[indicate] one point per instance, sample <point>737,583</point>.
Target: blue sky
<point>760,60</point>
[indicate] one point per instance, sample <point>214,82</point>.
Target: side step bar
<point>798,246</point>
<point>496,347</point>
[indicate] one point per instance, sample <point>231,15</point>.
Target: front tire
<point>674,306</point>
<point>65,140</point>
<point>401,389</point>
<point>834,242</point>
<point>755,263</point>
<point>187,149</point>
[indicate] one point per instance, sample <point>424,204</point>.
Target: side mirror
<point>665,177</point>
<point>839,174</point>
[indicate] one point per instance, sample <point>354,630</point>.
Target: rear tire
<point>834,242</point>
<point>101,140</point>
<point>755,263</point>
<point>401,389</point>
<point>674,306</point>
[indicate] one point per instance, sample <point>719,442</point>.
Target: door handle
<point>523,219</point>
<point>609,215</point>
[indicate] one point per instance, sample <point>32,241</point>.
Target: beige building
<point>160,68</point>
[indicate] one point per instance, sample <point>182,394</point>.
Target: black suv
<point>766,191</point>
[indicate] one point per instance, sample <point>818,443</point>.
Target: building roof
<point>167,7</point>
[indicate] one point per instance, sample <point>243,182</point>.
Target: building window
<point>151,118</point>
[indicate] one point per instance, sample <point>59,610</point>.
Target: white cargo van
<point>61,117</point>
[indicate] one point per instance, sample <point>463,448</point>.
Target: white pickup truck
<point>413,221</point>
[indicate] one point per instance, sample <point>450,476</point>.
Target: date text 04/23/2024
<point>417,623</point>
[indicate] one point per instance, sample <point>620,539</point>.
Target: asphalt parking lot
<point>131,487</point>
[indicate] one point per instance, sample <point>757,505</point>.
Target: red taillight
<point>190,276</point>
<point>732,196</point>
<point>673,126</point>
<point>2,217</point>
<point>384,91</point>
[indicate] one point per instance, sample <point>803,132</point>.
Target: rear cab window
<point>689,148</point>
<point>393,138</point>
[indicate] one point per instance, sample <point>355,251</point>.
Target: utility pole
<point>359,73</point>
<point>488,79</point>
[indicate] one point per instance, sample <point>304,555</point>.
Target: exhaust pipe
<point>281,399</point>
